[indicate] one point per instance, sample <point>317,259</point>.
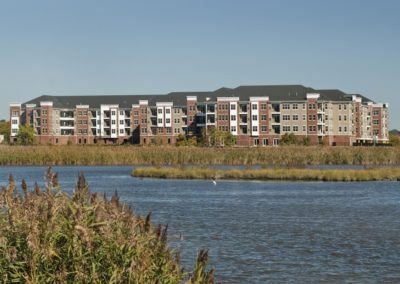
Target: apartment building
<point>255,115</point>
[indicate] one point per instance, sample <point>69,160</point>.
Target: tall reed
<point>392,174</point>
<point>48,237</point>
<point>288,156</point>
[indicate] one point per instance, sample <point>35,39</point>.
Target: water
<point>258,232</point>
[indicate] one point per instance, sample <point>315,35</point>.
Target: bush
<point>49,237</point>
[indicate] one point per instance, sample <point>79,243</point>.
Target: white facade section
<point>143,102</point>
<point>191,98</point>
<point>233,117</point>
<point>82,106</point>
<point>30,105</point>
<point>15,105</point>
<point>121,123</point>
<point>255,127</point>
<point>164,114</point>
<point>15,121</point>
<point>114,121</point>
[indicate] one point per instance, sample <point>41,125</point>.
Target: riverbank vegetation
<point>285,156</point>
<point>377,174</point>
<point>47,236</point>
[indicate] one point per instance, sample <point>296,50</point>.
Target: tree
<point>288,139</point>
<point>25,135</point>
<point>216,137</point>
<point>394,139</point>
<point>5,130</point>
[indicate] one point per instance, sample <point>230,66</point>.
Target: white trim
<point>313,96</point>
<point>30,105</point>
<point>377,105</point>
<point>135,106</point>
<point>109,106</point>
<point>164,104</point>
<point>259,99</point>
<point>82,106</point>
<point>228,99</point>
<point>46,104</point>
<point>191,98</point>
<point>143,102</point>
<point>356,99</point>
<point>15,105</point>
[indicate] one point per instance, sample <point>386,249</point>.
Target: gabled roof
<point>276,93</point>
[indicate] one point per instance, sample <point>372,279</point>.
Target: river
<point>258,232</point>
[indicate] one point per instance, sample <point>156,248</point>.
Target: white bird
<point>214,182</point>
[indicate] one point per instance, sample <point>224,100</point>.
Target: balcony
<point>242,109</point>
<point>276,119</point>
<point>210,108</point>
<point>275,108</point>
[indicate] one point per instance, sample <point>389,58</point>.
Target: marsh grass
<point>287,156</point>
<point>373,174</point>
<point>47,236</point>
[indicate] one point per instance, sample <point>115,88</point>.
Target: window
<point>295,117</point>
<point>121,112</point>
<point>376,122</point>
<point>304,106</point>
<point>113,131</point>
<point>113,122</point>
<point>168,110</point>
<point>15,113</point>
<point>326,106</point>
<point>84,121</point>
<point>79,113</point>
<point>233,128</point>
<point>14,121</point>
<point>160,110</point>
<point>256,142</point>
<point>254,117</point>
<point>255,128</point>
<point>375,112</point>
<point>295,106</point>
<point>159,120</point>
<point>345,117</point>
<point>136,122</point>
<point>344,107</point>
<point>144,130</point>
<point>285,106</point>
<point>340,129</point>
<point>304,128</point>
<point>295,128</point>
<point>263,106</point>
<point>265,142</point>
<point>233,117</point>
<point>121,122</point>
<point>345,129</point>
<point>113,112</point>
<point>168,130</point>
<point>285,117</point>
<point>286,128</point>
<point>254,106</point>
<point>167,120</point>
<point>160,130</point>
<point>263,128</point>
<point>176,130</point>
<point>264,117</point>
<point>304,117</point>
<point>233,107</point>
<point>135,113</point>
<point>14,130</point>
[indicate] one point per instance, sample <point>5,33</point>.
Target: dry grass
<point>48,237</point>
<point>377,174</point>
<point>288,156</point>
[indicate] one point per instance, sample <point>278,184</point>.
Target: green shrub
<point>49,237</point>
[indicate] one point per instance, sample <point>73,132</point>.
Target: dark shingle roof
<point>274,92</point>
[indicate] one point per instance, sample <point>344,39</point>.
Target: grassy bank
<point>47,236</point>
<point>288,156</point>
<point>392,174</point>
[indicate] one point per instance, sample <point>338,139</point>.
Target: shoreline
<point>374,174</point>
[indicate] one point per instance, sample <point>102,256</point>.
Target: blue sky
<point>92,47</point>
